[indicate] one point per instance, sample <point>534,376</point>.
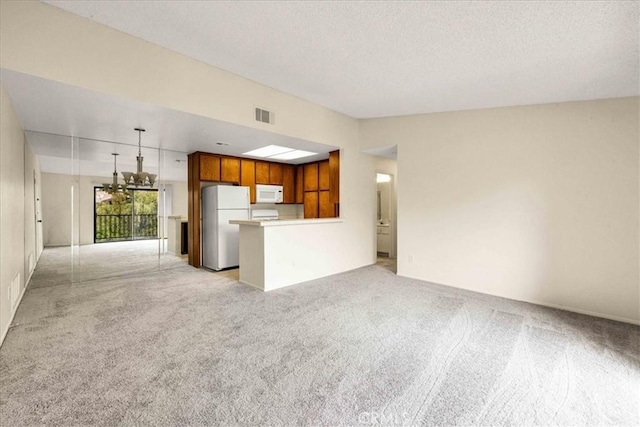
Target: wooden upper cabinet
<point>311,177</point>
<point>334,176</point>
<point>262,172</point>
<point>209,167</point>
<point>311,204</point>
<point>325,206</point>
<point>248,177</point>
<point>323,175</point>
<point>230,170</point>
<point>288,184</point>
<point>275,174</point>
<point>299,184</point>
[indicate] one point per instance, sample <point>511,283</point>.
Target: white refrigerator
<point>220,240</point>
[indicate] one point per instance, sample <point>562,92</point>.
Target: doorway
<point>385,220</point>
<point>122,216</point>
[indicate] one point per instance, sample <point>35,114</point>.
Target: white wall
<point>56,209</point>
<point>281,254</point>
<point>17,218</point>
<point>535,203</point>
<point>47,42</point>
<point>179,197</point>
<point>59,219</point>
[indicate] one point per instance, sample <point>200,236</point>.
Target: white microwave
<point>268,193</point>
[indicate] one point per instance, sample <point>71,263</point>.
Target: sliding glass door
<point>125,216</point>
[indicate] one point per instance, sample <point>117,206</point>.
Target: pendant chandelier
<point>114,187</point>
<point>139,178</point>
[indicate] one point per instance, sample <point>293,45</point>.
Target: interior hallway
<point>187,346</point>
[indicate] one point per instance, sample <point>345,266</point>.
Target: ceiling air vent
<point>264,116</point>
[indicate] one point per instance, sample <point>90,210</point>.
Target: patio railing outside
<point>111,228</point>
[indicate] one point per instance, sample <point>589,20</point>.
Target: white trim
<point>252,285</point>
<point>24,290</point>
<point>587,312</point>
<point>6,331</point>
<point>540,303</point>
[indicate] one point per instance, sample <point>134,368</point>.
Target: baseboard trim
<point>252,285</point>
<point>6,330</point>
<point>543,304</point>
<point>24,290</point>
<point>587,312</point>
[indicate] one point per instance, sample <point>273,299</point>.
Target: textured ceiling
<point>373,59</point>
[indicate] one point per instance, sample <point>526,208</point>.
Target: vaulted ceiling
<point>364,59</point>
<point>372,59</point>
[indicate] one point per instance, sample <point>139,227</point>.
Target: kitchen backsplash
<point>284,211</point>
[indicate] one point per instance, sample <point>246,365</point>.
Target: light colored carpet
<point>85,263</point>
<point>387,263</point>
<point>191,347</point>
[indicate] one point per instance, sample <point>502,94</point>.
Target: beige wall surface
<point>12,207</point>
<point>178,198</point>
<point>60,219</point>
<point>67,48</point>
<point>17,219</point>
<point>64,47</point>
<point>535,203</point>
<point>56,209</point>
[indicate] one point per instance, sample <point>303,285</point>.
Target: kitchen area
<point>272,219</point>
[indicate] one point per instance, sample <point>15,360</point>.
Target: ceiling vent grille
<point>264,116</point>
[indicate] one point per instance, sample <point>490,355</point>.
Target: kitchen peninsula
<point>275,254</point>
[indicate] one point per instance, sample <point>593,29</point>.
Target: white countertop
<point>281,222</point>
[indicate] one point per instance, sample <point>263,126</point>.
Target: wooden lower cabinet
<point>321,187</point>
<point>325,208</point>
<point>318,204</point>
<point>311,204</point>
